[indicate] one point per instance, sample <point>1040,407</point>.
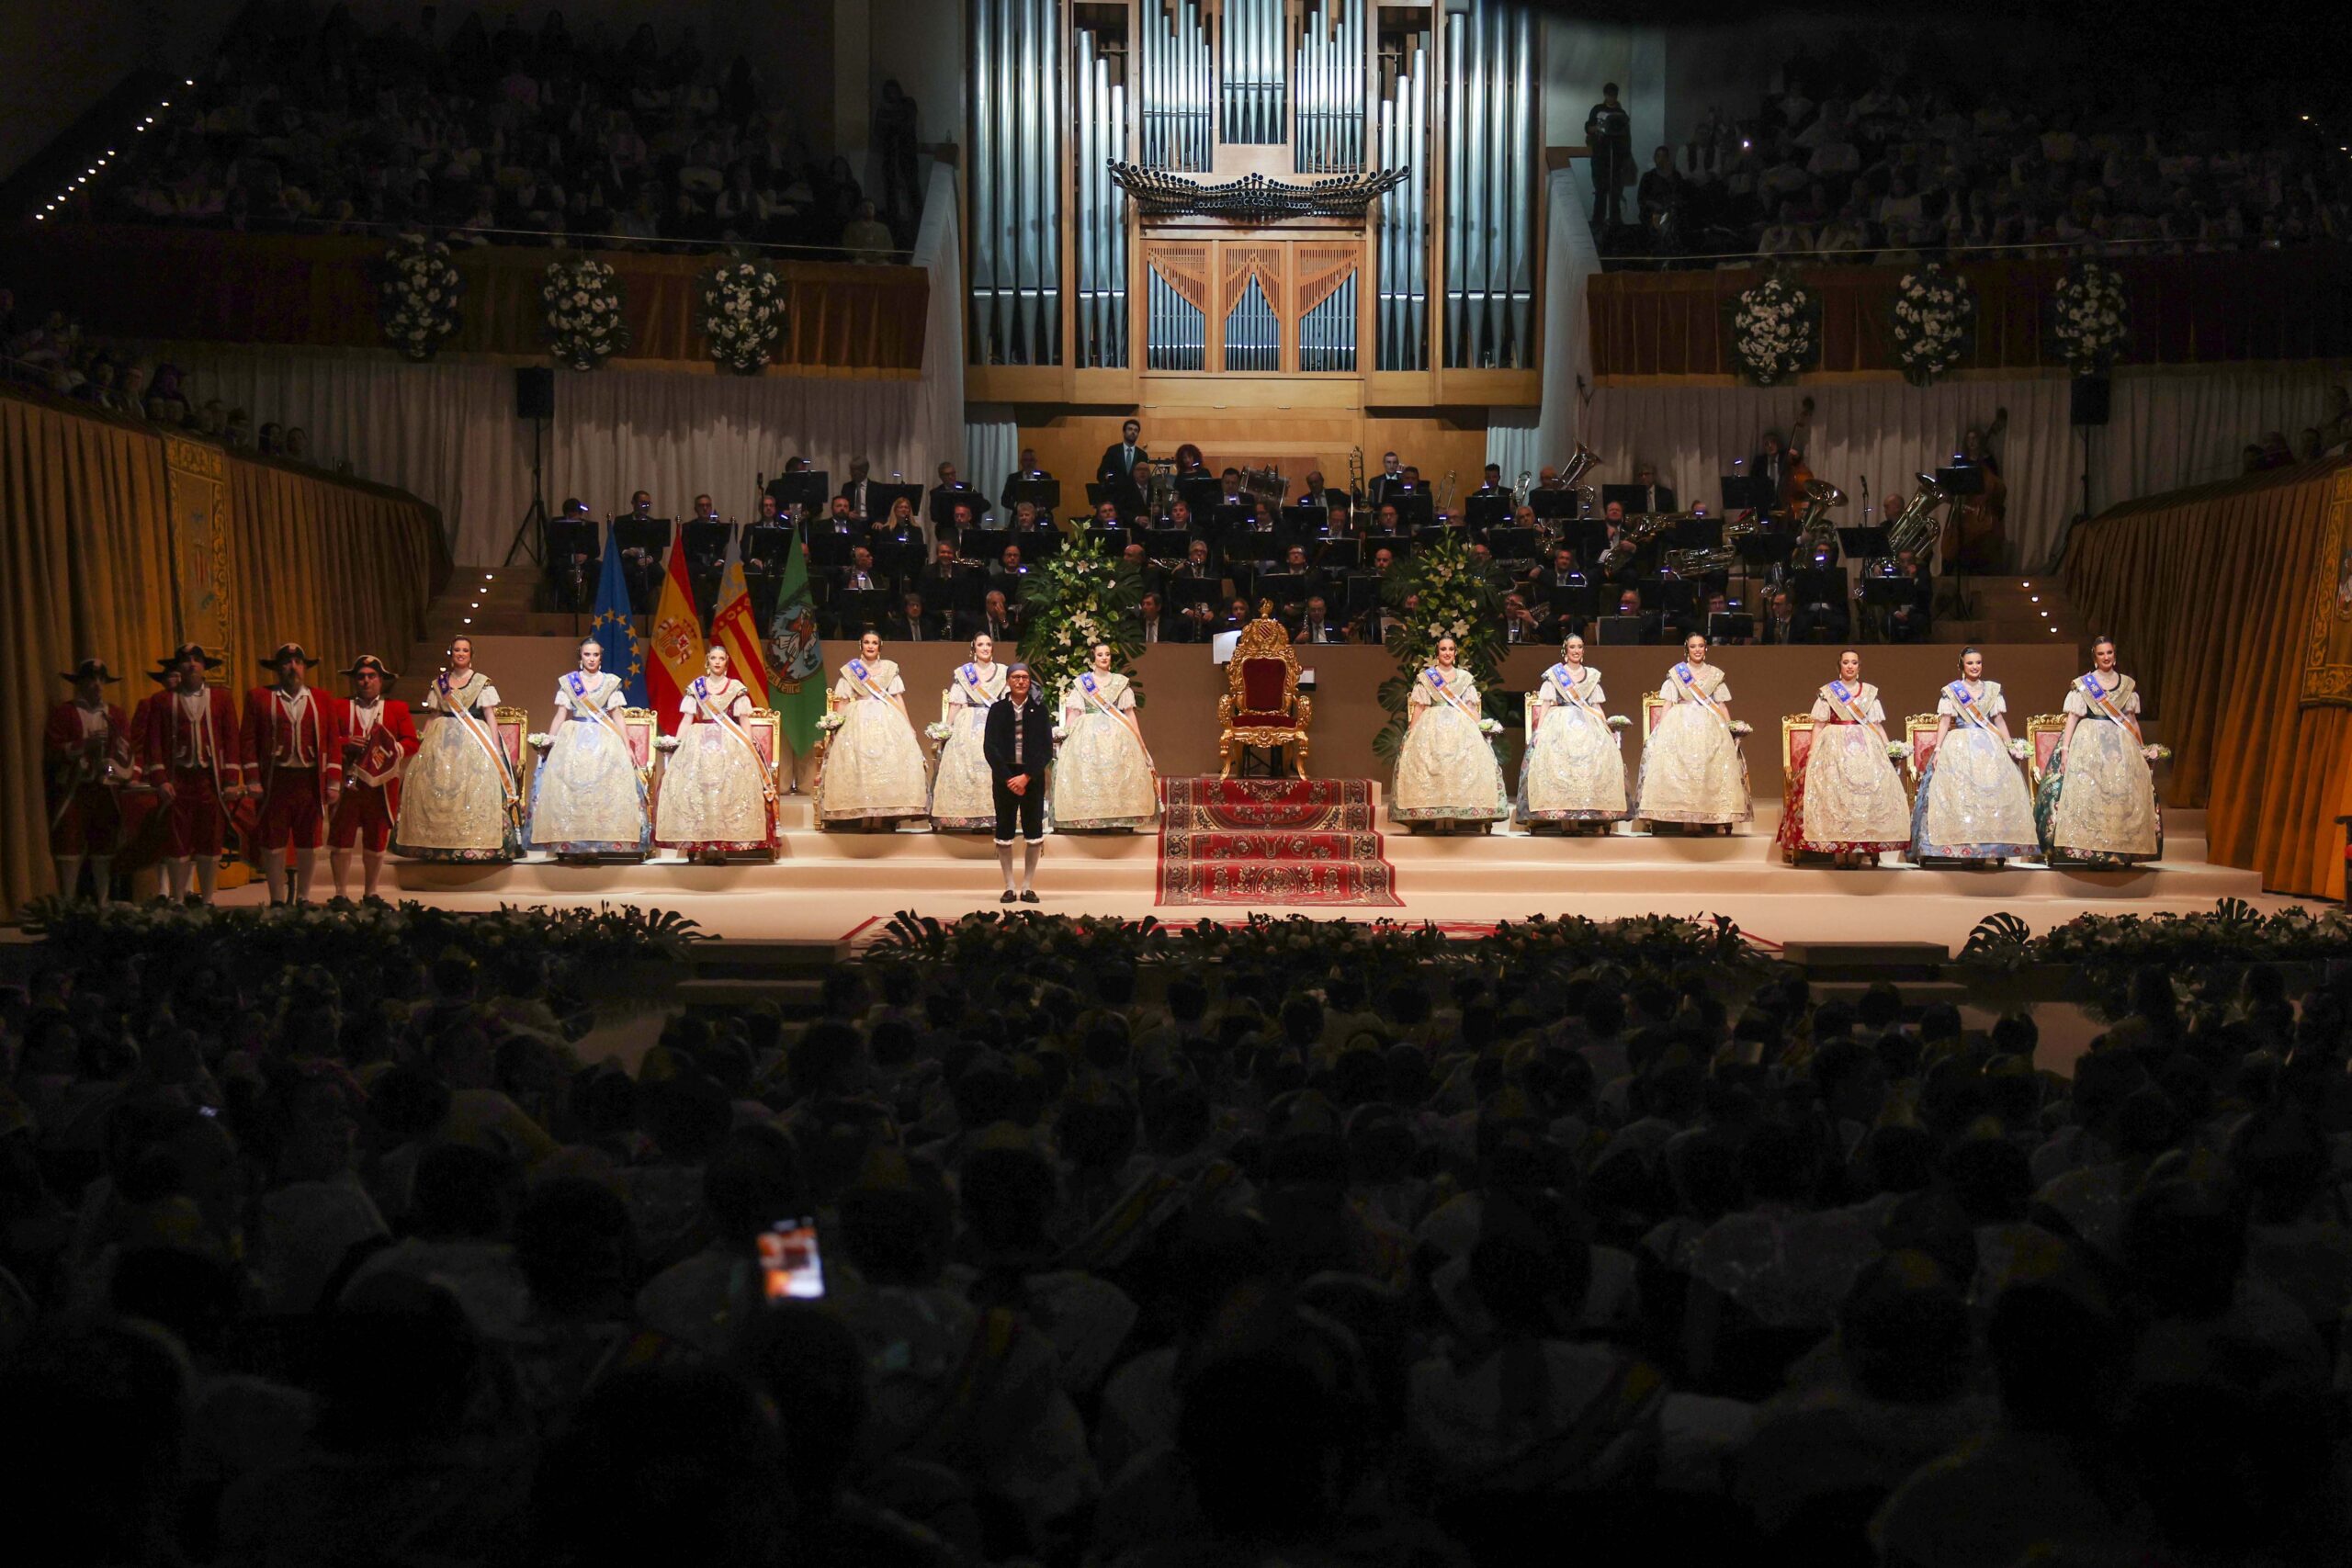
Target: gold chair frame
<point>1262,638</point>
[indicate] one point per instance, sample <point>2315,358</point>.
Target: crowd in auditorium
<point>1896,151</point>
<point>506,136</point>
<point>1248,1261</point>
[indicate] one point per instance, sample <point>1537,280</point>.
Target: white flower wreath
<point>1773,331</point>
<point>584,325</point>
<point>417,300</point>
<point>2090,316</point>
<point>1934,309</point>
<point>742,314</point>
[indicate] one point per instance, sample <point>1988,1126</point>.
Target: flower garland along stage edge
<point>1775,331</point>
<point>417,299</point>
<point>2090,317</point>
<point>1080,596</point>
<point>742,315</point>
<point>584,324</point>
<point>1437,593</point>
<point>1935,316</point>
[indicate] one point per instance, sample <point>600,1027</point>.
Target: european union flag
<point>612,627</point>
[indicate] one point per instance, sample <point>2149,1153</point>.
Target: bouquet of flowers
<point>832,721</point>
<point>1488,727</point>
<point>1898,749</point>
<point>1774,330</point>
<point>665,743</point>
<point>742,314</point>
<point>585,326</point>
<point>1741,727</point>
<point>1933,315</point>
<point>417,297</point>
<point>1619,721</point>
<point>539,740</point>
<point>2159,753</point>
<point>2090,316</point>
<point>938,729</point>
<point>2020,748</point>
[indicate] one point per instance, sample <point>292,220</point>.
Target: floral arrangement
<point>1081,596</point>
<point>1775,328</point>
<point>1741,727</point>
<point>1439,592</point>
<point>665,743</point>
<point>416,301</point>
<point>2020,748</point>
<point>1043,944</point>
<point>1935,314</point>
<point>2090,316</point>
<point>831,720</point>
<point>2235,934</point>
<point>539,740</point>
<point>742,314</point>
<point>1620,721</point>
<point>938,729</point>
<point>584,325</point>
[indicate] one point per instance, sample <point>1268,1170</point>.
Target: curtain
<point>2167,429</point>
<point>211,286</point>
<point>1522,440</point>
<point>2208,593</point>
<point>992,445</point>
<point>446,431</point>
<point>93,572</point>
<point>938,400</point>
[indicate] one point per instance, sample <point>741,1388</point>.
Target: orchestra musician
<point>1780,463</point>
<point>1117,465</point>
<point>1655,497</point>
<point>1316,624</point>
<point>1976,537</point>
<point>854,490</point>
<point>1154,625</point>
<point>1024,471</point>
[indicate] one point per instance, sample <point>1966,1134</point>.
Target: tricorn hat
<point>367,661</point>
<point>286,652</point>
<point>172,661</point>
<point>89,669</point>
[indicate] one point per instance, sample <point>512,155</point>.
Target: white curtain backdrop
<point>1515,436</point>
<point>2167,430</point>
<point>447,432</point>
<point>992,445</point>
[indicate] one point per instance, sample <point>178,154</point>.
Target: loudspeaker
<point>534,392</point>
<point>2087,403</point>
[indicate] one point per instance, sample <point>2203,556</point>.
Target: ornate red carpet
<point>1273,842</point>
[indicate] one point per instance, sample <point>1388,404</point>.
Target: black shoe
<point>1029,896</point>
<point>1010,897</point>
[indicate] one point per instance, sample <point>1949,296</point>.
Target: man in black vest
<point>1019,744</point>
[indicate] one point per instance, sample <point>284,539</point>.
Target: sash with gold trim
<point>700,691</point>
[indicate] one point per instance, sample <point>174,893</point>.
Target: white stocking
<point>306,867</point>
<point>208,876</point>
<point>1030,851</point>
<point>273,872</point>
<point>101,876</point>
<point>339,866</point>
<point>1005,858</point>
<point>178,870</point>
<point>373,859</point>
<point>69,876</point>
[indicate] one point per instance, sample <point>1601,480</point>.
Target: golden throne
<point>1262,705</point>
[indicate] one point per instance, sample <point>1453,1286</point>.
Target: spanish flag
<point>736,626</point>
<point>676,644</point>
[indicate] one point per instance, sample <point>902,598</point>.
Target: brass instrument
<point>1813,531</point>
<point>1445,488</point>
<point>1580,463</point>
<point>1159,498</point>
<point>1265,484</point>
<point>1635,532</point>
<point>1913,529</point>
<point>1520,491</point>
<point>1356,478</point>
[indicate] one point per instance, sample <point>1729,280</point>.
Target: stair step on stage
<point>1273,842</point>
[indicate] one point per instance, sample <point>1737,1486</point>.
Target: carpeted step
<point>1268,841</point>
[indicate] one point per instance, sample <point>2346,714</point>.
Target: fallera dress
<point>1447,771</point>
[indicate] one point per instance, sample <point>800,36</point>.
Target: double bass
<point>1976,540</point>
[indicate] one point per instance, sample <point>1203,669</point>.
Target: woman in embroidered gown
<point>962,796</point>
<point>458,796</point>
<point>717,796</point>
<point>587,797</point>
<point>2098,802</point>
<point>1447,771</point>
<point>1849,802</point>
<point>1103,774</point>
<point>875,771</point>
<point>1973,805</point>
<point>1574,770</point>
<point>1693,772</point>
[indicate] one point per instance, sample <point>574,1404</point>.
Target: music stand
<point>1201,492</point>
<point>1414,509</point>
<point>1228,517</point>
<point>1306,522</point>
<point>1339,554</point>
<point>1250,545</point>
<point>570,539</point>
<point>1037,544</point>
<point>1667,595</point>
<point>946,499</point>
<point>811,491</point>
<point>1045,494</point>
<point>1398,545</point>
<point>1821,588</point>
<point>1618,631</point>
<point>1727,625</point>
<point>1550,505</point>
<point>1960,481</point>
<point>881,499</point>
<point>1485,512</point>
<point>1361,597</point>
<point>1168,544</point>
<point>1578,599</point>
<point>1512,544</point>
<point>1632,498</point>
<point>1745,493</point>
<point>858,608</point>
<point>1863,543</point>
<point>1114,540</point>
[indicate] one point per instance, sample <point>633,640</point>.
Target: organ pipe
<point>1330,91</point>
<point>1016,269</point>
<point>1173,94</point>
<point>1490,207</point>
<point>1401,322</point>
<point>1177,338</point>
<point>1252,40</point>
<point>1099,212</point>
<point>1326,334</point>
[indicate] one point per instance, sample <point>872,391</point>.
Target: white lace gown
<point>2106,805</point>
<point>453,795</point>
<point>1691,768</point>
<point>1102,775</point>
<point>1446,771</point>
<point>874,766</point>
<point>586,795</point>
<point>963,795</point>
<point>1574,770</point>
<point>1853,797</point>
<point>1972,803</point>
<point>714,799</point>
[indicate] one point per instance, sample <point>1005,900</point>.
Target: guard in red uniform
<point>87,750</point>
<point>294,758</point>
<point>191,754</point>
<point>378,738</point>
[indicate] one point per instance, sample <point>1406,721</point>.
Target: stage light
<point>2036,599</point>
<point>467,622</point>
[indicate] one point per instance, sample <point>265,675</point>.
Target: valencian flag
<point>736,626</point>
<point>614,628</point>
<point>796,659</point>
<point>677,641</point>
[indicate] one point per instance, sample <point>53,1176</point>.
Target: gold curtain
<point>95,566</point>
<point>2208,593</point>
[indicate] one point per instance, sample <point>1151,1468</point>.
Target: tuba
<point>1265,484</point>
<point>1580,463</point>
<point>1813,530</point>
<point>1913,529</point>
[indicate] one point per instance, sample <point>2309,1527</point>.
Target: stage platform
<point>838,887</point>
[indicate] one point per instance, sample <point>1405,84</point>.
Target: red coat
<point>273,740</point>
<point>393,720</point>
<point>62,750</point>
<point>157,738</point>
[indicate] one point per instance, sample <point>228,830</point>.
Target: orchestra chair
<point>1262,705</point>
<point>1796,750</point>
<point>512,724</point>
<point>640,727</point>
<point>2043,731</point>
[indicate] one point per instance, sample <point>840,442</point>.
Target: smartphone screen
<point>790,1263</point>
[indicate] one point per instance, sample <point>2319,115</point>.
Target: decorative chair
<point>2043,731</point>
<point>1919,730</point>
<point>1263,705</point>
<point>640,727</point>
<point>512,723</point>
<point>1796,750</point>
